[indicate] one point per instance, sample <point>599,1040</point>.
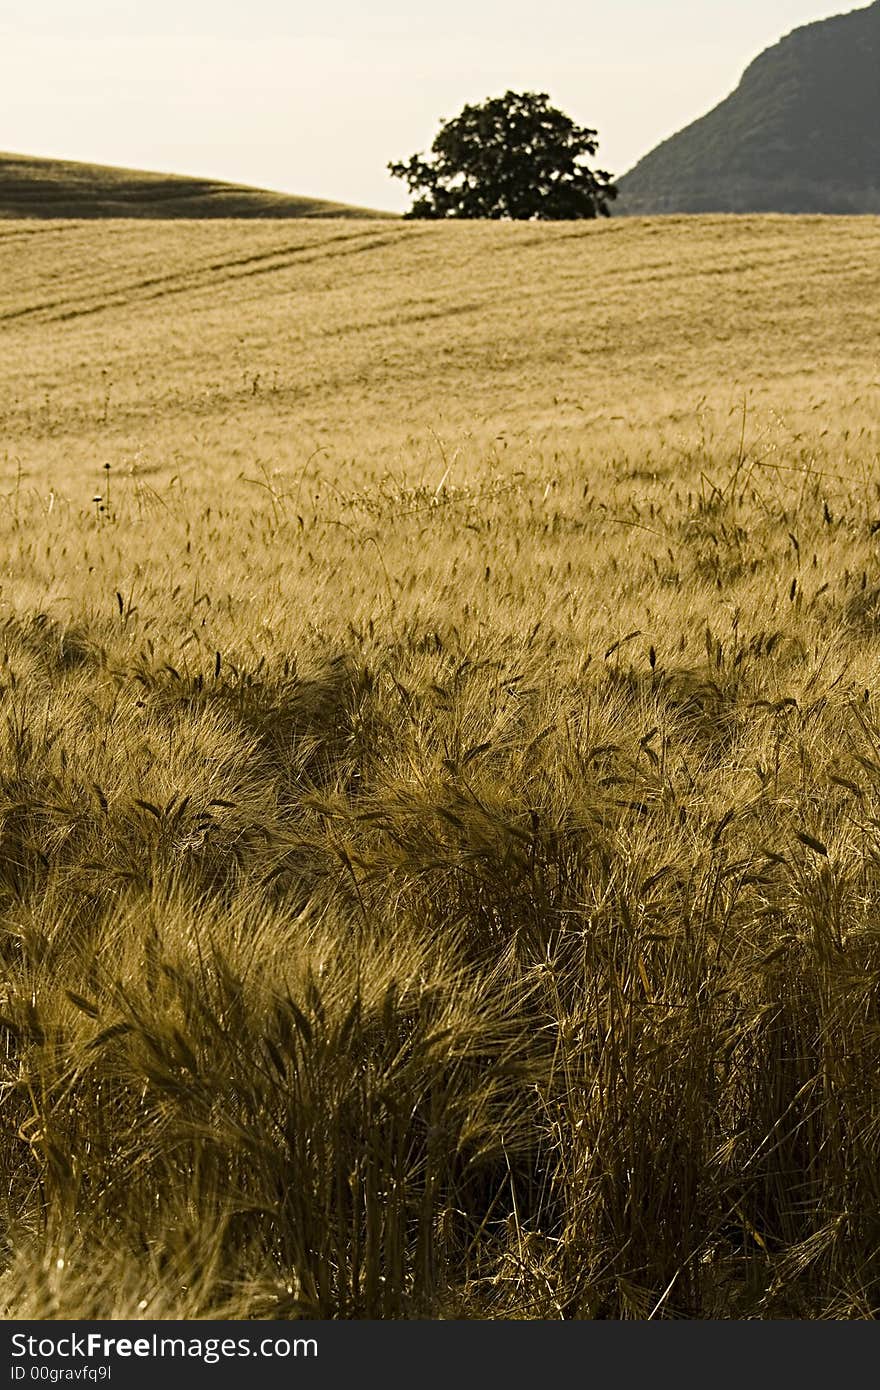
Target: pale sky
<point>316,98</point>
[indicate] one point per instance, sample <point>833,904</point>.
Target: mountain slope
<point>801,133</point>
<point>31,187</point>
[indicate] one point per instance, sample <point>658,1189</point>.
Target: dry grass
<point>440,779</point>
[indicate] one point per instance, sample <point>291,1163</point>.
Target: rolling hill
<point>32,187</point>
<point>799,134</point>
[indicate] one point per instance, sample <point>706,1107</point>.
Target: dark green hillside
<point>801,133</point>
<point>32,187</point>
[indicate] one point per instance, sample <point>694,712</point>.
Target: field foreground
<point>440,769</point>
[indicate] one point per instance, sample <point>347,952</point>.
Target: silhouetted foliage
<point>514,156</point>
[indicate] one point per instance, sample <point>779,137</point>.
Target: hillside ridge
<point>34,187</point>
<point>799,134</point>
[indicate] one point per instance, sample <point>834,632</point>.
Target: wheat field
<point>440,769</point>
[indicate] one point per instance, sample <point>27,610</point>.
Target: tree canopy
<point>515,157</point>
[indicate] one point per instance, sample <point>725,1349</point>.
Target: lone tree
<point>514,156</point>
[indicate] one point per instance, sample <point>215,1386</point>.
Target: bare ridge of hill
<point>31,187</point>
<point>801,133</point>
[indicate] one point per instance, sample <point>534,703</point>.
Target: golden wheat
<point>440,769</point>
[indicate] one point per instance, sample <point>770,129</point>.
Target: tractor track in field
<point>206,277</point>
